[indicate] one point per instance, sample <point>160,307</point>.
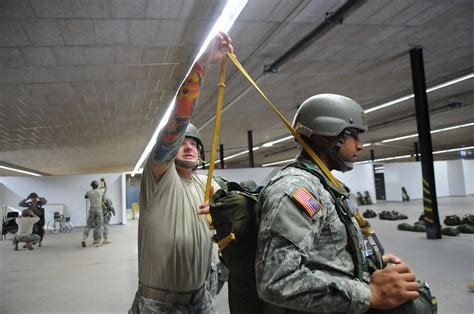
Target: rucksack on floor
<point>233,212</point>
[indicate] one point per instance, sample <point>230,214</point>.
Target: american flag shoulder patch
<point>306,200</point>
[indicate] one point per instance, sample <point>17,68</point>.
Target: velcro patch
<point>307,201</point>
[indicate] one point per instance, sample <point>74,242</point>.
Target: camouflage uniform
<point>303,262</point>
<point>203,304</point>
<point>96,217</point>
<point>107,210</point>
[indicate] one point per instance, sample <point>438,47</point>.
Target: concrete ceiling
<point>84,83</point>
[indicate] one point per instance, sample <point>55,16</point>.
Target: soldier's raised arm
<point>172,136</point>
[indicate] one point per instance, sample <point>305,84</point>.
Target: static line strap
<point>215,139</point>
<point>295,134</point>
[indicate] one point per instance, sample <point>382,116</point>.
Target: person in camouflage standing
<point>108,210</point>
<point>95,220</point>
<point>305,261</point>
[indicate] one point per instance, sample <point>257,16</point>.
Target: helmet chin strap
<point>184,164</point>
<point>339,163</point>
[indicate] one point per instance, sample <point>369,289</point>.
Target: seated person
<point>25,229</point>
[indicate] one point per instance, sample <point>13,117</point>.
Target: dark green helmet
<point>329,115</point>
<point>193,132</point>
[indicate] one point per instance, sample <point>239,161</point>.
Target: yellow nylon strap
<point>225,242</point>
<point>295,134</point>
<point>215,139</point>
<point>365,226</point>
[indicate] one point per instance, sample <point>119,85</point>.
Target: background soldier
<point>108,211</point>
<point>25,229</point>
<point>35,203</point>
<point>95,220</point>
<point>311,254</point>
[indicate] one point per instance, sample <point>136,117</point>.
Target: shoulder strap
<point>344,216</point>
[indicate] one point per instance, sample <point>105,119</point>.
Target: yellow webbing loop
<point>215,139</point>
<point>360,220</point>
<point>225,242</point>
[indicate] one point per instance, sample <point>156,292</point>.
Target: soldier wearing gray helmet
<point>95,220</point>
<point>312,255</point>
<point>174,243</point>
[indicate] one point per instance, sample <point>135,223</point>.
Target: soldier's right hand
<point>392,286</point>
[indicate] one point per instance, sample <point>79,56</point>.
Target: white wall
<point>452,178</point>
<point>67,190</point>
<point>441,178</point>
<point>468,170</point>
<point>359,179</point>
<point>456,178</point>
<point>407,174</point>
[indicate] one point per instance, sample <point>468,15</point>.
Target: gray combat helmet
<point>192,131</point>
<point>330,115</point>
<point>95,184</point>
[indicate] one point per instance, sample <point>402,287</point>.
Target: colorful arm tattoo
<point>172,135</point>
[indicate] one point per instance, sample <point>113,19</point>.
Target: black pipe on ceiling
<point>330,20</point>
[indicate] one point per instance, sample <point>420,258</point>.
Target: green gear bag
<point>233,212</point>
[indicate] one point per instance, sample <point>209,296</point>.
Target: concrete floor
<point>63,277</point>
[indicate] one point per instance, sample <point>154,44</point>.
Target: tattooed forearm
<point>172,135</point>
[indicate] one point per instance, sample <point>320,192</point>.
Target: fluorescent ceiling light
<point>229,14</point>
<point>432,132</point>
<point>383,159</point>
<point>453,150</point>
<point>268,144</point>
<point>408,156</point>
<point>21,171</point>
<point>428,90</point>
<point>278,162</point>
<point>236,155</point>
<point>451,82</point>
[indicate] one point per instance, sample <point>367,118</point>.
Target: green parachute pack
<point>233,212</point>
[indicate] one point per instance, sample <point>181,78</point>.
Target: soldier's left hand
<point>204,207</point>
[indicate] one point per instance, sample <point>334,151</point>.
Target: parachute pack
<point>233,212</point>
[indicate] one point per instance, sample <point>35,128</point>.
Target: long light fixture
<point>432,132</point>
<point>268,144</point>
<point>411,155</point>
<point>428,90</point>
<point>278,162</point>
<point>236,155</point>
<point>229,14</point>
<point>20,171</point>
<point>453,150</point>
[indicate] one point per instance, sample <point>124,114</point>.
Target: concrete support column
<point>430,204</point>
